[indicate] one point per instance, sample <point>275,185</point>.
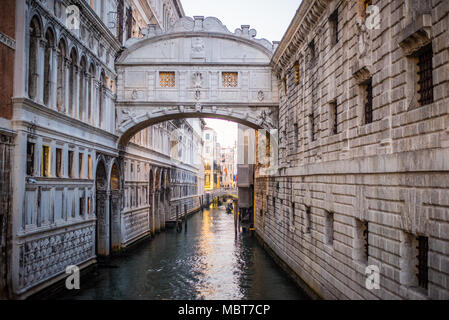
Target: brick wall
<point>392,174</point>
<point>7,27</point>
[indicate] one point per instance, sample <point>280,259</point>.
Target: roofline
<point>179,8</point>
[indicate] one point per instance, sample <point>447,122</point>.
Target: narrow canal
<point>205,262</point>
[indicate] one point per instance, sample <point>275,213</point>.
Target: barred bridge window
<point>230,79</point>
<point>425,77</point>
<point>422,267</point>
<point>167,79</point>
<point>369,101</point>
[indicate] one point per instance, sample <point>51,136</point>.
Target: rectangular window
<point>89,166</point>
<point>308,219</point>
<point>230,79</point>
<point>81,165</point>
<point>312,51</point>
<point>71,159</point>
<point>368,100</point>
<point>361,241</point>
<point>46,161</point>
<point>329,228</point>
<point>59,171</point>
<point>30,158</point>
<point>89,205</point>
<point>425,77</point>
<point>333,117</point>
<point>422,266</point>
<point>81,205</point>
<point>312,126</point>
<point>167,79</point>
<point>207,136</point>
<point>333,27</point>
<point>296,132</point>
<point>297,77</point>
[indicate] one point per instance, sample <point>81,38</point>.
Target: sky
<point>270,18</point>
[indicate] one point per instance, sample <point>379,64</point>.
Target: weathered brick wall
<point>7,27</point>
<point>5,208</point>
<point>392,173</point>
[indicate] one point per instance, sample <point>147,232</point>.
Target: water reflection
<point>205,262</point>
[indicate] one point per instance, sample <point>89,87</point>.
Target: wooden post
<point>236,213</point>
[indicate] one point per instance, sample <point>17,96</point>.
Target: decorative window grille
<point>369,102</point>
<point>422,274</point>
<point>230,79</point>
<point>425,77</point>
<point>167,79</point>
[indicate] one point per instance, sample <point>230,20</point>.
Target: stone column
<point>66,85</point>
<point>54,79</point>
<point>103,235</point>
<point>40,71</point>
<point>76,93</point>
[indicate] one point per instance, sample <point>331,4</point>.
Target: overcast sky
<point>270,18</point>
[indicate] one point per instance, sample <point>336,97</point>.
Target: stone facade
<point>363,149</point>
<point>67,171</point>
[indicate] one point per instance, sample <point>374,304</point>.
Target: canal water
<point>206,261</point>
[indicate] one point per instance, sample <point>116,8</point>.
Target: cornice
<point>305,20</point>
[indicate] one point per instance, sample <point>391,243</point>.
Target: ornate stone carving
<point>197,80</point>
<point>49,256</point>
<point>198,50</point>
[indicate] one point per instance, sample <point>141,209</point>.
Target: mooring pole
<point>236,213</point>
<point>185,218</point>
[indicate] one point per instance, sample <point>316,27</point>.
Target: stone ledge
<point>417,34</point>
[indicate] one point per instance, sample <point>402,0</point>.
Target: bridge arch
<point>197,69</point>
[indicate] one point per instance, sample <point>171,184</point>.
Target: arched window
<point>82,87</point>
<point>35,34</point>
<point>48,64</point>
<point>72,81</point>
<point>61,76</point>
<point>90,88</point>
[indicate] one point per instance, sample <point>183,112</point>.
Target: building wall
<point>7,50</point>
<point>391,174</point>
<point>54,220</point>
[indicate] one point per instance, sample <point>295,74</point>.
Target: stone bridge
<point>196,69</point>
